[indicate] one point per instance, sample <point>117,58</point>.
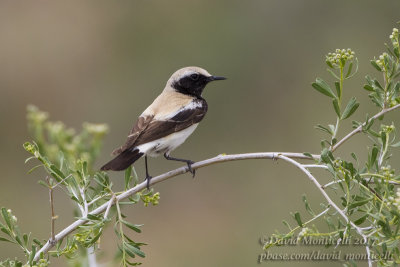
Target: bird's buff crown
<point>179,74</point>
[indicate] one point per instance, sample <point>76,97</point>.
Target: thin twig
<point>315,166</point>
<point>98,198</point>
<point>110,203</point>
<point>85,204</point>
<point>62,181</point>
<point>53,216</point>
<point>359,128</point>
<point>369,181</point>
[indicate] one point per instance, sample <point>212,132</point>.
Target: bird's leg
<point>188,162</point>
<point>148,177</point>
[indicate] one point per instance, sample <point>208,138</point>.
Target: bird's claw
<point>148,178</point>
<point>191,170</point>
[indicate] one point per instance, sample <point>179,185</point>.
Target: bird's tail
<point>122,161</point>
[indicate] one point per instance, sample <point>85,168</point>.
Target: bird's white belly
<point>166,144</point>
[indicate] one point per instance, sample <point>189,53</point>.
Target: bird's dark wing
<point>148,129</point>
<point>182,120</point>
<point>141,124</point>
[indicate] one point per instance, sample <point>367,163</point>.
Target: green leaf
<point>135,176</point>
<point>128,177</point>
<point>369,123</point>
<point>385,228</point>
<point>322,87</point>
<point>333,74</point>
<point>350,108</point>
<point>28,159</point>
<point>361,220</point>
<point>19,241</point>
<point>368,87</point>
<point>61,159</point>
<point>6,231</point>
<point>129,251</point>
<point>37,242</point>
<point>334,141</point>
<point>358,203</point>
<point>41,182</point>
<point>298,219</point>
<point>377,84</point>
<point>349,74</point>
<point>307,154</point>
<point>337,87</point>
<point>308,208</point>
<point>75,199</point>
<point>134,227</point>
<point>26,239</point>
<point>327,156</point>
<point>94,239</point>
<point>6,217</point>
<point>332,127</point>
<point>324,129</point>
<point>287,225</point>
<point>336,106</point>
<point>56,173</point>
<point>397,87</point>
<point>34,168</point>
<point>32,255</point>
<point>94,217</point>
<point>373,63</point>
<point>135,250</point>
<point>349,70</point>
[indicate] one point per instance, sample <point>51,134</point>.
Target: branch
<point>218,159</point>
<point>330,201</point>
<point>359,128</point>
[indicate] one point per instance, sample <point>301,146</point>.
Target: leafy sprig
<point>68,157</point>
<point>369,192</point>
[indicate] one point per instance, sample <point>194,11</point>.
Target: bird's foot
<point>191,170</point>
<point>148,178</point>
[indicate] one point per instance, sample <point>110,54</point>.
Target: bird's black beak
<point>215,78</point>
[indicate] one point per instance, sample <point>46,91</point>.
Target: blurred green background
<point>105,61</point>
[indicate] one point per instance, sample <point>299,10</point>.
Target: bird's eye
<point>194,76</point>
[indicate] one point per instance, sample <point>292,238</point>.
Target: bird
<point>167,122</point>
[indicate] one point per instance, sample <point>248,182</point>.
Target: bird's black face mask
<point>192,84</point>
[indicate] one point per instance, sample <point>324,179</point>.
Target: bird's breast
<point>166,144</point>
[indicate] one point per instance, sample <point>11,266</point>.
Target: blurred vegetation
<point>68,158</point>
<point>102,61</point>
<point>58,143</point>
